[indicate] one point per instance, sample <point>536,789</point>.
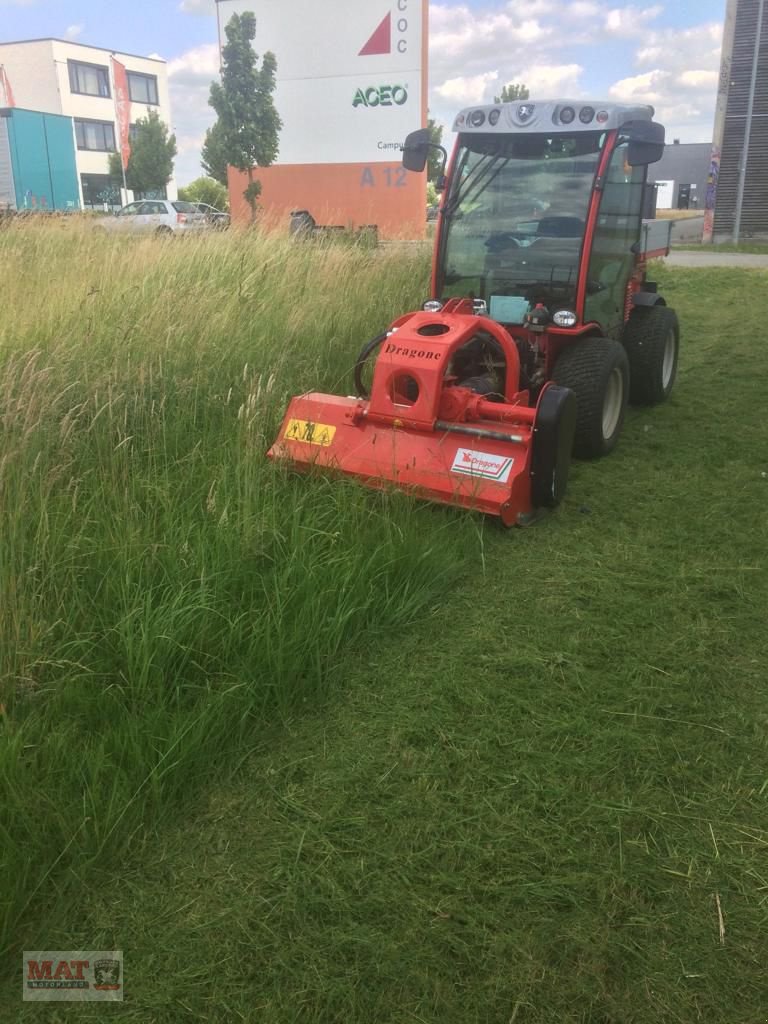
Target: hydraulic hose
<point>362,359</point>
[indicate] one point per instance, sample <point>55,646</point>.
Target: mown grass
<point>528,805</point>
<point>165,591</point>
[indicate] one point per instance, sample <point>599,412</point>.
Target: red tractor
<point>541,325</point>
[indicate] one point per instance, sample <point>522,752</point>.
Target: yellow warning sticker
<point>309,432</point>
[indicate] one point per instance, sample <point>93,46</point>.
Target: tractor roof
<point>537,116</point>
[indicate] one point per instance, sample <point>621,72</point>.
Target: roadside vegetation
<point>758,248</point>
<point>165,590</point>
<point>481,776</point>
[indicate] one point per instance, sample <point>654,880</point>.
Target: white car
<point>162,216</point>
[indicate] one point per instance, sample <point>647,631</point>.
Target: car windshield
<point>515,216</point>
<point>182,207</point>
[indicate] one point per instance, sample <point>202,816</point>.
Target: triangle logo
<point>380,41</point>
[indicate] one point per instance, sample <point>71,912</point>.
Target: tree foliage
<point>213,157</point>
<point>510,93</point>
<point>435,158</point>
<point>206,190</point>
<point>153,148</point>
<point>247,118</point>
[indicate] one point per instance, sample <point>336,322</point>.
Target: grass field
<point>527,784</point>
<point>164,590</point>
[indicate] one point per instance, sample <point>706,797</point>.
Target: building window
<point>98,135</point>
<point>88,79</point>
<point>142,88</point>
<point>100,192</point>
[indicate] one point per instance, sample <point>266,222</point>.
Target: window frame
<point>103,125</point>
<point>72,66</point>
<point>146,77</point>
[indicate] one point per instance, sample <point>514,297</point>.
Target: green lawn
<point>529,800</point>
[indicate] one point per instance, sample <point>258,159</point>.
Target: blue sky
<point>665,53</point>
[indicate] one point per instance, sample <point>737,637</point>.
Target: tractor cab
<point>544,206</point>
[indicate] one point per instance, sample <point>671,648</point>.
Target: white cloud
<point>194,65</point>
<point>463,91</point>
<point>189,81</point>
<point>198,7</point>
<point>73,31</point>
<point>626,22</point>
<point>676,50</point>
<point>551,80</point>
<point>646,88</point>
<point>699,79</point>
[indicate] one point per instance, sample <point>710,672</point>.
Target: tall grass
<point>164,590</point>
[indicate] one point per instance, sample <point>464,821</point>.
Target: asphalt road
<point>680,258</point>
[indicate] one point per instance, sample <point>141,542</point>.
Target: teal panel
<point>61,161</point>
<point>43,159</point>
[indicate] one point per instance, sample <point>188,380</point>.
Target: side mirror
<point>646,142</point>
<point>416,150</point>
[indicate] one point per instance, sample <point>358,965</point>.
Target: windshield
<point>515,218</point>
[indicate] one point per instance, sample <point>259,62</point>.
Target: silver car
<point>162,216</point>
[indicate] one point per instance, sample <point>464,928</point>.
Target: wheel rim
<point>668,363</point>
<point>612,403</point>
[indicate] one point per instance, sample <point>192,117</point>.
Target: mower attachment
<point>426,430</point>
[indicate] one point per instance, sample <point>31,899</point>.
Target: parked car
<point>163,216</point>
<point>216,218</point>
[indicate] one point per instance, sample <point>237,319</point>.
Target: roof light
<point>567,115</point>
<point>564,318</point>
<point>460,120</point>
<point>586,114</point>
<point>477,117</point>
<point>493,117</point>
<point>602,116</point>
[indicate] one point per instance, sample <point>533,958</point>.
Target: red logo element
<point>381,40</point>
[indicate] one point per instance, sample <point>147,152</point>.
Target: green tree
<point>213,158</point>
<point>150,165</point>
<point>512,92</point>
<point>205,190</point>
<point>435,158</point>
<point>248,120</point>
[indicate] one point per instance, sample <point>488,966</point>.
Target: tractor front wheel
<point>597,371</point>
<point>652,340</point>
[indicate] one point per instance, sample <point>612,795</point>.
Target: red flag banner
<point>123,110</point>
<point>9,100</point>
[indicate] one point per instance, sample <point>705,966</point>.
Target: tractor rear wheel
<point>597,371</point>
<point>652,340</point>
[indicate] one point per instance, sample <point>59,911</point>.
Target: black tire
<point>652,340</point>
<point>597,371</point>
<point>163,231</point>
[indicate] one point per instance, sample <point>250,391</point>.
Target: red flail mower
<point>541,325</point>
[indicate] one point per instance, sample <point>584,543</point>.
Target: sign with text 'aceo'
<point>351,85</point>
<point>350,76</point>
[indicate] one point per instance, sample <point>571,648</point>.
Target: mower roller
<point>540,328</point>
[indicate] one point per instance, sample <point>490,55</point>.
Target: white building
<point>58,77</point>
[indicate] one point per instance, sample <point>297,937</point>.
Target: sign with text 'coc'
<point>350,75</point>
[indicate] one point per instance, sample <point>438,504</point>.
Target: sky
<point>666,54</point>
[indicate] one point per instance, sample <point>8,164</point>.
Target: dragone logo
<point>381,96</point>
<point>380,41</point>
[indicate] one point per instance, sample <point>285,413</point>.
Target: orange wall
<point>346,194</point>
